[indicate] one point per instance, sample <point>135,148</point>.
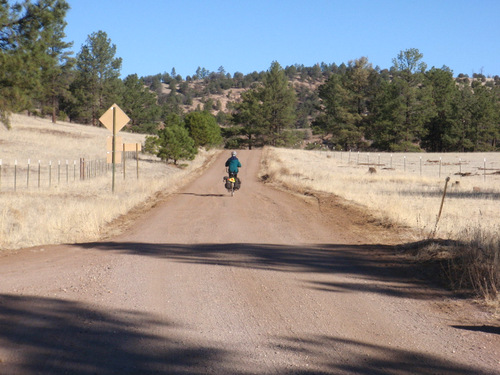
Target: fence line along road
<point>484,165</point>
<point>35,175</point>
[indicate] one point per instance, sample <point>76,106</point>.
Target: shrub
<point>203,128</point>
<point>474,263</point>
<point>175,143</point>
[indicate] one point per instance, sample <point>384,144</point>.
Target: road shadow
<point>388,273</point>
<point>338,355</point>
<point>55,336</point>
<point>484,328</point>
<point>51,336</point>
<point>203,195</point>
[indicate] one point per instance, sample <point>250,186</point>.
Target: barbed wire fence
<point>425,165</point>
<point>16,175</point>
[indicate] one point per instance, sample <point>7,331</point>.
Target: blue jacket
<point>233,164</point>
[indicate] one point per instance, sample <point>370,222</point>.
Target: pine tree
<point>460,134</point>
<point>485,116</point>
<point>175,144</point>
<point>248,113</point>
<point>340,116</point>
<point>24,28</point>
<point>405,105</point>
<point>140,105</point>
<point>278,103</point>
<point>203,128</point>
<point>97,77</point>
<point>56,72</point>
<point>443,91</point>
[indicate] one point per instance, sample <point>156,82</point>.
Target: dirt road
<point>264,282</point>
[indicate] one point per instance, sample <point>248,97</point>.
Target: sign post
<point>114,119</point>
<point>113,152</point>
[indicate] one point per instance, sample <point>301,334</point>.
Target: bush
<point>151,145</point>
<point>175,143</point>
<point>235,143</point>
<point>203,128</point>
<point>474,263</point>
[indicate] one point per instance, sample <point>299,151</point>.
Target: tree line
<point>348,106</point>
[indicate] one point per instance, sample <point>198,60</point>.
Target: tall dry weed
<point>474,263</point>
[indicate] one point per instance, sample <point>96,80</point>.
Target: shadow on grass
<point>369,262</point>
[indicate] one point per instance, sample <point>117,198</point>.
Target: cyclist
<point>232,165</point>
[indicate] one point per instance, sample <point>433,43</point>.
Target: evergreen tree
<point>404,105</point>
<point>307,106</point>
<point>485,116</point>
<point>175,143</point>
<point>248,113</point>
<point>460,134</point>
<point>278,103</point>
<point>22,50</point>
<point>338,116</point>
<point>140,105</point>
<point>97,78</point>
<point>203,128</point>
<point>443,91</point>
<point>357,82</point>
<point>57,65</point>
<point>172,142</point>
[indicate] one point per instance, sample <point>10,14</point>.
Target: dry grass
<point>81,210</point>
<point>404,198</point>
<point>474,263</point>
<point>470,212</point>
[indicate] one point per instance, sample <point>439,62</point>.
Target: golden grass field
<point>72,210</point>
<point>406,189</point>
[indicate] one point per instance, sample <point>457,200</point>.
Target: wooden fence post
<point>15,175</point>
<point>441,207</point>
<point>124,156</point>
<point>137,158</point>
<point>28,175</point>
<point>82,169</point>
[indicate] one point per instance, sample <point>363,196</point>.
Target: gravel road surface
<point>265,282</point>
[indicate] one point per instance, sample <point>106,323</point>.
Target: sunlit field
<point>406,189</point>
<point>68,209</point>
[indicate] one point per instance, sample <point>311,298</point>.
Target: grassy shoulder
<point>76,211</point>
<point>469,258</point>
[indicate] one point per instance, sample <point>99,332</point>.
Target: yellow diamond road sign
<point>120,117</point>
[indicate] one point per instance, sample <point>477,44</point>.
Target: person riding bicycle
<point>232,165</point>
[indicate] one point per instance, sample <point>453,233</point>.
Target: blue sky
<point>154,36</point>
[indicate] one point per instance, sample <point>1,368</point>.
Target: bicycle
<point>232,183</point>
